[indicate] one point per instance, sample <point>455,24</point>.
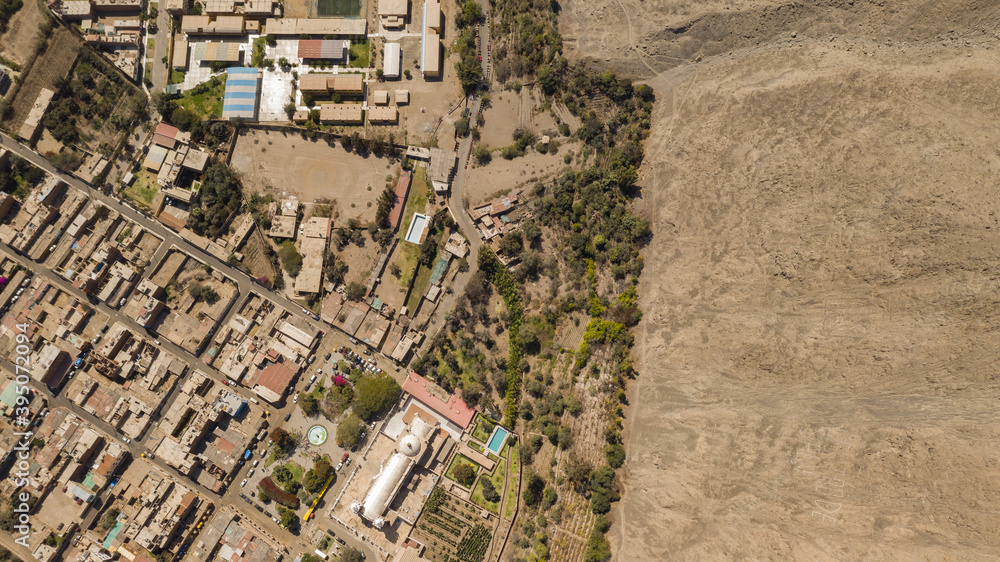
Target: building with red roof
<point>402,188</point>
<point>434,397</point>
<point>273,381</point>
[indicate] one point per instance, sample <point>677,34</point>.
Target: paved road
<point>160,70</point>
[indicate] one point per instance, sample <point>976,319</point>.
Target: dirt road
<point>819,349</point>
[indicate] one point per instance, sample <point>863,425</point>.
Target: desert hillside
<point>819,352</point>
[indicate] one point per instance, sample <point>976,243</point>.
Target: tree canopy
<point>375,394</point>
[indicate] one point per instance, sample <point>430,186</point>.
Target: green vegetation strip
<point>504,282</point>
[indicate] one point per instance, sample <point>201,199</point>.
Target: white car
<point>255,461</point>
<point>243,483</point>
<point>126,440</point>
<point>249,474</point>
<point>295,399</point>
<point>340,465</point>
<point>312,379</point>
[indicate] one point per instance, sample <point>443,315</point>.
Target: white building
<point>393,57</point>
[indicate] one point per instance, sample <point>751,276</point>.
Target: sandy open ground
<point>273,162</point>
<point>819,350</point>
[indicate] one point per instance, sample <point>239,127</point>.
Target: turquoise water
<point>497,440</point>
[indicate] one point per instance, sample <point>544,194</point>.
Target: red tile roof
<point>166,130</point>
<point>426,391</point>
<point>276,378</point>
<point>402,186</point>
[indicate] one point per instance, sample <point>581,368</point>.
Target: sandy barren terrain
<point>819,351</point>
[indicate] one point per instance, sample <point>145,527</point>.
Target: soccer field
<point>338,8</point>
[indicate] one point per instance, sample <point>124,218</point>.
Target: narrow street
<point>161,39</point>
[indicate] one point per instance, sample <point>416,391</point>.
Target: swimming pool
<point>497,440</point>
<point>417,227</point>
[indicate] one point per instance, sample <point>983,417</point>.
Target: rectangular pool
<point>497,440</point>
<point>417,227</point>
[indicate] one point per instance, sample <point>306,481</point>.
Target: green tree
<point>490,493</point>
<point>109,519</point>
<point>375,394</point>
<point>512,243</point>
<point>291,259</point>
<point>355,291</point>
<point>464,474</point>
<point>462,127</point>
<point>184,119</point>
<point>288,517</point>
<point>533,488</point>
<point>309,405</point>
<point>349,431</point>
<point>349,554</point>
<point>615,454</point>
<point>482,154</point>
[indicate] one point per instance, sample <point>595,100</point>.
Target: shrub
<point>277,494</point>
<point>615,454</point>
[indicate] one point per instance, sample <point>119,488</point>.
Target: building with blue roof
<point>242,97</point>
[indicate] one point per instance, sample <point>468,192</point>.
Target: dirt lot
<point>282,164</point>
<point>510,110</point>
<point>17,43</point>
<point>819,347</point>
<point>483,182</point>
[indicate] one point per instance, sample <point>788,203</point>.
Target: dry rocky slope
<point>819,354</point>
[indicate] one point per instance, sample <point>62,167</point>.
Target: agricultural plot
<point>96,108</point>
<point>255,259</point>
<point>452,529</point>
<point>50,68</point>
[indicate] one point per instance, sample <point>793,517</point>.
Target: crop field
<point>53,65</point>
<point>254,258</point>
<point>452,529</point>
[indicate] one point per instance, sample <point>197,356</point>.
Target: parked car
<point>340,465</point>
<point>312,379</point>
<point>288,416</point>
<point>126,440</point>
<point>249,474</point>
<point>344,458</point>
<point>327,358</point>
<point>255,461</point>
<point>295,399</point>
<point>243,483</point>
<point>104,330</point>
